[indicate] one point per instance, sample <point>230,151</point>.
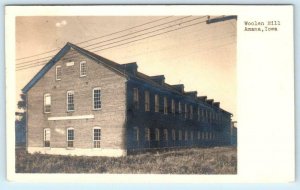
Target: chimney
<point>179,87</point>
<point>160,79</point>
<point>130,67</point>
<point>192,94</point>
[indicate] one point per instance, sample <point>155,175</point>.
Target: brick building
<point>80,103</point>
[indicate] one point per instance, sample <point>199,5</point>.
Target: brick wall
<point>110,118</point>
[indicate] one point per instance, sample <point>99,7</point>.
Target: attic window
<point>58,73</point>
<point>82,68</point>
<point>71,63</point>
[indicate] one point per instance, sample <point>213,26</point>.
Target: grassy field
<point>218,160</point>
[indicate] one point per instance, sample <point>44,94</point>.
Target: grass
<point>218,160</point>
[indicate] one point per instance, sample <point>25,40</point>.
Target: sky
<point>183,48</point>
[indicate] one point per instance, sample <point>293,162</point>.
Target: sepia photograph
<point>126,94</point>
<point>149,94</point>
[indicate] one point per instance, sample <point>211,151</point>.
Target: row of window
<point>175,135</point>
<point>70,101</point>
<point>82,68</point>
<point>185,109</point>
<point>71,137</point>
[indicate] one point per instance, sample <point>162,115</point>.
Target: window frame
<point>185,111</point>
<point>165,105</point>
<point>136,100</point>
<point>69,129</point>
<point>180,135</point>
<point>136,131</point>
<point>72,92</point>
<point>147,100</point>
<point>147,134</point>
<point>173,106</point>
<point>93,91</point>
<point>165,135</point>
<point>80,69</point>
<point>191,111</point>
<point>173,135</point>
<point>45,95</point>
<point>56,72</point>
<point>179,108</point>
<point>95,146</point>
<point>49,141</point>
<point>156,103</point>
<point>157,134</point>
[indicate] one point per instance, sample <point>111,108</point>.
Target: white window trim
<point>95,109</point>
<point>94,135</point>
<point>70,128</point>
<point>56,72</point>
<point>70,91</point>
<point>47,94</point>
<point>82,62</point>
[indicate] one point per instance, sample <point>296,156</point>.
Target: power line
<point>98,37</point>
<point>123,43</point>
<point>124,36</point>
<point>29,66</point>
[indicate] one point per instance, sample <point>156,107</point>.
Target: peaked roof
<point>118,68</point>
<point>106,62</point>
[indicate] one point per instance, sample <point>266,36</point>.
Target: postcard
<point>157,93</point>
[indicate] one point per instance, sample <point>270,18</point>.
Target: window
<point>136,134</point>
<point>147,134</point>
<point>173,106</point>
<point>192,135</point>
<point>47,135</point>
<point>185,111</point>
<point>156,103</point>
<point>47,103</point>
<point>70,137</point>
<point>165,137</point>
<point>199,135</point>
<point>179,108</point>
<point>165,105</point>
<point>202,136</point>
<point>96,98</point>
<point>180,135</point>
<point>58,73</point>
<point>70,101</point>
<point>198,113</point>
<point>147,101</point>
<point>97,137</point>
<point>191,112</point>
<point>83,68</point>
<point>157,134</point>
<point>173,135</point>
<point>136,98</point>
<point>186,135</point>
